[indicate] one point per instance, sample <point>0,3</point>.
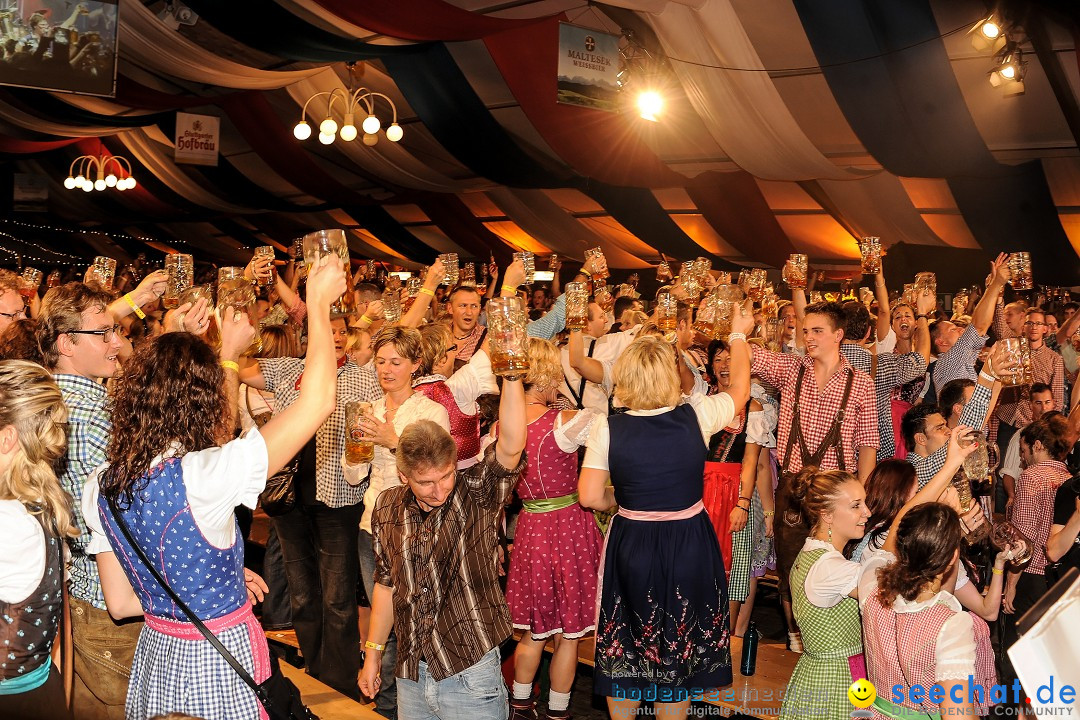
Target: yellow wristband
<point>996,571</point>
<point>365,318</point>
<point>374,646</point>
<point>427,291</point>
<point>507,288</point>
<point>136,308</point>
<point>230,365</point>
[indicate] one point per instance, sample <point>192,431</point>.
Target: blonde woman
<point>663,621</point>
<point>551,588</point>
<point>36,516</point>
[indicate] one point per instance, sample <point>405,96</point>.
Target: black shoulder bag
<point>277,693</point>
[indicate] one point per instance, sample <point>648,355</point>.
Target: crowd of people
<point>635,483</point>
<point>60,44</point>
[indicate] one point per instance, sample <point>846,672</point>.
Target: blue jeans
<point>276,608</point>
<point>477,693</point>
<point>386,700</point>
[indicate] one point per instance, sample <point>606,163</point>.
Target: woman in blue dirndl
<point>663,629</point>
<point>176,489</point>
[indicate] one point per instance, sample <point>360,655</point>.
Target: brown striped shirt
<point>448,606</point>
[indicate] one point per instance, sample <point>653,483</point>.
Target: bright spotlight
<point>650,104</point>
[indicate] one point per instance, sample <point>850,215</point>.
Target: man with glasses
<point>80,343</point>
<point>1014,411</point>
<point>12,306</point>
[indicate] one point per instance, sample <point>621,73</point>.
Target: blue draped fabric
<point>391,233</point>
<point>907,109</point>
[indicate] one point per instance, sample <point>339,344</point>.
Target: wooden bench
<point>326,702</point>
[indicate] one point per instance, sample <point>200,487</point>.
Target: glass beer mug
<point>600,269</point>
<point>450,269</point>
<point>332,242</point>
<point>1018,354</point>
<point>528,262</point>
<point>667,312</point>
<point>705,318</point>
<point>266,251</point>
<point>1020,267</point>
<point>794,272</point>
<point>29,282</point>
<point>508,338</point>
<point>926,283</point>
<point>577,306</point>
<point>103,271</point>
<point>180,273</point>
<point>358,447</point>
<point>870,253</point>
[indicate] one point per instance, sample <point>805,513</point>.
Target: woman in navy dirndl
<point>662,629</point>
<point>176,490</point>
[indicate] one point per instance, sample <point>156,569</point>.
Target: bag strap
<point>260,693</point>
<point>579,396</point>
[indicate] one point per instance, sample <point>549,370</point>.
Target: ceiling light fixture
<point>989,34</point>
<point>98,172</point>
<point>1010,70</point>
<point>362,100</point>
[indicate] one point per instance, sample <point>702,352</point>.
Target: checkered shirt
<point>959,361</point>
<point>281,376</point>
<point>819,409</point>
<point>975,410</point>
<point>468,345</point>
<point>892,372</point>
<point>89,427</point>
<point>1047,367</point>
<point>1001,328</point>
<point>1032,510</point>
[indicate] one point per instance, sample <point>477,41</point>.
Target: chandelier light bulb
<point>110,180</point>
<point>370,139</point>
<point>394,132</point>
<point>69,183</point>
<point>328,127</point>
<point>99,184</point>
<point>348,132</point>
<point>326,138</point>
<point>87,186</point>
<point>79,180</point>
<point>371,125</point>
<point>302,131</point>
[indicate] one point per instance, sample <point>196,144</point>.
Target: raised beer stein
<point>667,312</point>
<point>705,318</point>
<point>604,298</point>
<point>1018,354</point>
<point>795,269</point>
<point>332,242</point>
<point>1020,267</point>
<point>450,269</point>
<point>870,253</point>
<point>509,339</point>
<point>926,283</point>
<point>29,282</point>
<point>180,273</point>
<point>663,271</point>
<point>528,261</point>
<point>600,268</point>
<point>103,271</point>
<point>577,305</point>
<point>267,278</point>
<point>468,275</point>
<point>391,302</point>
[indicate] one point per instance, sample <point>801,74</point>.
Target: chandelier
<point>90,172</point>
<point>360,99</point>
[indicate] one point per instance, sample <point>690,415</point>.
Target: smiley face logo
<point>862,693</point>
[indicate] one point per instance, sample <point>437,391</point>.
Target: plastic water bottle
<point>749,649</point>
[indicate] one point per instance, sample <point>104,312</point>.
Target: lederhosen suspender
<point>579,396</point>
<point>831,439</point>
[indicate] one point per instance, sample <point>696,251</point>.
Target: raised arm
<point>422,302</point>
<point>983,314</point>
<point>236,336</point>
<point>739,387</point>
<point>589,368</point>
<point>881,294</point>
<point>289,430</point>
<point>1068,328</point>
<point>931,491</point>
<point>924,305</point>
<point>798,301</point>
<point>512,425</point>
<point>149,290</point>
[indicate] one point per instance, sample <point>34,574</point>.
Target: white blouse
<point>384,466</point>
<point>216,479</point>
<point>832,577</point>
<point>22,563</point>
<point>713,412</point>
<point>955,647</point>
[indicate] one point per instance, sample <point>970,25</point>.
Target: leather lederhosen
<point>790,527</point>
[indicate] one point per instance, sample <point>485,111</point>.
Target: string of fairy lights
<point>53,256</point>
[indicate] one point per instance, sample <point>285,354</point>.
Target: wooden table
<point>762,694</point>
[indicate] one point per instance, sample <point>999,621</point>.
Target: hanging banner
<point>31,193</point>
<point>588,64</point>
<point>197,139</point>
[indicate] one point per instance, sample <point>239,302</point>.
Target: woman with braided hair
<point>36,515</point>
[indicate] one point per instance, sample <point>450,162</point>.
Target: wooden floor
<point>326,702</point>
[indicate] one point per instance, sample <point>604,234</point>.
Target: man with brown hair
<point>80,343</point>
<point>437,585</point>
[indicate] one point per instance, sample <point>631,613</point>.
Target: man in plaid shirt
<point>958,351</point>
<point>1047,367</point>
<point>807,420</point>
<point>80,343</point>
<point>888,370</point>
